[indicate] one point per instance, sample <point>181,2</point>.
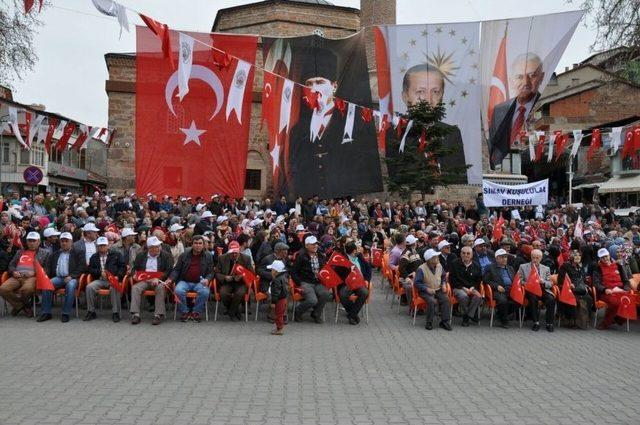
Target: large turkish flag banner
<point>192,147</point>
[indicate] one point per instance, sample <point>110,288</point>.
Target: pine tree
<point>416,169</point>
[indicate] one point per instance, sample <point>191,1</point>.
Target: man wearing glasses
<point>509,117</point>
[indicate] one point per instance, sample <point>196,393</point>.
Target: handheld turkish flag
<point>339,260</point>
<point>517,291</point>
<point>187,146</point>
<point>355,280</point>
<point>115,282</point>
<point>627,309</point>
<point>247,275</point>
<point>497,230</point>
<point>376,255</point>
<point>560,259</point>
<point>140,276</point>
<point>328,277</point>
<point>533,282</point>
<point>43,283</point>
<point>566,294</point>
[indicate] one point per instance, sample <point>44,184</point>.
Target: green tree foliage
<point>419,171</point>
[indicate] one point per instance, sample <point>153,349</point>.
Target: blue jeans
<point>69,298</point>
<point>203,295</point>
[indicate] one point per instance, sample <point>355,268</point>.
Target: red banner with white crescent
<point>191,146</point>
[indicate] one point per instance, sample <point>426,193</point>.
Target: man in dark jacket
<point>353,307</point>
<point>21,286</point>
<point>101,264</point>
<point>205,224</point>
<point>231,285</point>
<point>499,276</point>
<point>304,273</point>
<point>192,272</point>
<point>464,278</point>
<point>482,255</point>
<point>159,264</point>
<point>65,268</point>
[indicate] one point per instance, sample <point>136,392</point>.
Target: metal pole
<point>570,179</point>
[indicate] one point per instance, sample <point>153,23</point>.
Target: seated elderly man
<point>21,286</point>
<point>100,264</point>
<point>499,276</point>
<point>157,265</point>
<point>482,255</point>
<point>127,246</point>
<point>193,271</point>
<point>232,287</point>
<point>304,273</point>
<point>464,278</point>
<point>65,268</point>
<point>430,283</point>
<point>544,280</point>
<point>610,281</point>
<point>409,262</point>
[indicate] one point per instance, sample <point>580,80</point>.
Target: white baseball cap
<point>411,240</point>
<point>222,218</point>
<point>603,252</point>
<point>430,253</point>
<point>175,227</point>
<point>154,241</point>
<point>102,241</point>
<point>207,214</point>
<point>128,231</point>
<point>442,244</point>
<point>257,222</point>
<point>66,235</point>
<point>277,265</point>
<point>280,219</point>
<point>50,231</point>
<point>300,228</point>
<point>501,252</point>
<point>34,236</point>
<point>310,240</point>
<point>479,241</point>
<point>292,210</point>
<point>90,227</point>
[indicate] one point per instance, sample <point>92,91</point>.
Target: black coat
<point>165,263</point>
<point>302,271</point>
<point>280,287</point>
<point>493,277</point>
<point>76,265</point>
<point>330,168</point>
<point>115,265</point>
<point>182,265</point>
<point>464,277</point>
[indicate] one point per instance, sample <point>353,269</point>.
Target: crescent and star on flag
<point>199,72</point>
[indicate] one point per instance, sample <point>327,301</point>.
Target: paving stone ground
<point>384,372</point>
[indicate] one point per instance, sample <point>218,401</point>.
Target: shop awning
<point>587,186</point>
<point>63,182</point>
<point>619,184</point>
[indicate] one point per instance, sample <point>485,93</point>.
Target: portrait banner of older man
<point>439,64</point>
<point>518,59</point>
<point>328,149</point>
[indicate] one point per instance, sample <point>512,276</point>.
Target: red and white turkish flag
<point>384,84</point>
<point>188,146</point>
<point>499,81</point>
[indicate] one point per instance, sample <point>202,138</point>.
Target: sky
<point>69,77</point>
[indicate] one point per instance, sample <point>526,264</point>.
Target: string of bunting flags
<point>557,142</point>
<point>29,126</point>
<point>223,60</point>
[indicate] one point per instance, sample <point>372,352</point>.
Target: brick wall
<point>122,116</point>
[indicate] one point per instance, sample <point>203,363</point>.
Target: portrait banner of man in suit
<point>518,58</point>
<point>436,63</point>
<point>313,152</point>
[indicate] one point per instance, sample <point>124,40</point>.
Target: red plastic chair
<point>352,298</point>
<point>417,302</point>
<point>193,295</point>
<point>296,296</point>
<point>258,296</point>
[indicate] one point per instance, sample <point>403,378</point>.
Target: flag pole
<point>570,173</point>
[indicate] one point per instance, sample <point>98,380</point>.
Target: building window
<point>55,155</point>
<point>83,159</point>
<point>25,157</point>
<point>546,110</point>
<point>252,180</point>
<point>5,152</point>
<point>73,158</point>
<point>38,156</point>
